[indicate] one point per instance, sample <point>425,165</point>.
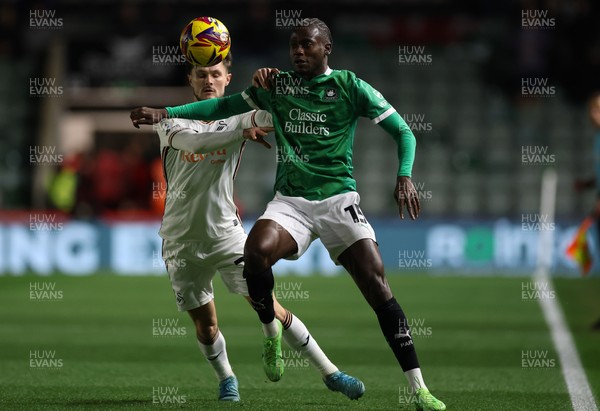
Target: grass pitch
<point>122,345</point>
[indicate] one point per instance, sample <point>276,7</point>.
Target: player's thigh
<point>285,230</point>
<point>351,242</point>
<point>341,223</point>
<point>190,276</point>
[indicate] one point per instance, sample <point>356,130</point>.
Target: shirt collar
<point>327,72</point>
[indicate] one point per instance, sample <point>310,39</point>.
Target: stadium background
<point>453,70</point>
<point>78,194</point>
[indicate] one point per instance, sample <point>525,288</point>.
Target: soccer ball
<point>205,41</point>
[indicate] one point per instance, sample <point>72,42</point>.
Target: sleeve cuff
<point>249,100</point>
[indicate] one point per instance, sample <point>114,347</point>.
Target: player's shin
<point>395,328</point>
<point>260,289</point>
<point>216,355</point>
<point>296,335</point>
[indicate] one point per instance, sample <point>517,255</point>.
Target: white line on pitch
<point>572,370</point>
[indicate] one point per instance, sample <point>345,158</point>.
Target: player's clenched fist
<point>147,115</point>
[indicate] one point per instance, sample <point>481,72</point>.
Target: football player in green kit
<point>315,110</point>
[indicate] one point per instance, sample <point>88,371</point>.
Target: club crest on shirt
<point>221,125</point>
<point>167,126</point>
<point>330,94</point>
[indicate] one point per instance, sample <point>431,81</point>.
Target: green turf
<point>102,331</point>
<point>580,300</point>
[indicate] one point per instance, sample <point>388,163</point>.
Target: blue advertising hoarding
<point>488,247</point>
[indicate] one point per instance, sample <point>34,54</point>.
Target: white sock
<point>216,355</point>
<point>271,329</point>
<point>299,339</point>
<point>415,379</point>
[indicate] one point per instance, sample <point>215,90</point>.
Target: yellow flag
<point>579,249</point>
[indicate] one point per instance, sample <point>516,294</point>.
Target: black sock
<point>395,328</point>
<point>260,290</point>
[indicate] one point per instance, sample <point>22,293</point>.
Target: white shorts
<point>192,266</point>
<point>337,220</point>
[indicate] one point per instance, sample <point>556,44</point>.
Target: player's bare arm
<point>147,115</point>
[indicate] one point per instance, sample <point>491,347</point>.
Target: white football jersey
<point>200,160</point>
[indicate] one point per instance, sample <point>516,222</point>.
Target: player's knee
<point>206,333</point>
<point>377,279</point>
<point>258,253</point>
<point>376,287</point>
<point>378,271</point>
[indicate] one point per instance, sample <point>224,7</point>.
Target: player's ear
<point>327,49</point>
<point>228,78</point>
<point>189,79</point>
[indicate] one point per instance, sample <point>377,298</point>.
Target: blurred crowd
<point>110,44</point>
<point>109,181</point>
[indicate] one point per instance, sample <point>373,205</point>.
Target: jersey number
<point>356,213</point>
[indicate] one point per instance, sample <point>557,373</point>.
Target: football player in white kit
<point>202,233</point>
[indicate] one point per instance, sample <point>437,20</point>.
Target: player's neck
<point>310,76</point>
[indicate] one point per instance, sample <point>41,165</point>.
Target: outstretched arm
<point>212,109</point>
<point>186,139</point>
<point>405,192</point>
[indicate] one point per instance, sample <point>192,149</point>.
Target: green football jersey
<point>314,123</point>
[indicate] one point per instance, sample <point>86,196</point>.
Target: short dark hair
<point>319,25</point>
<point>227,62</point>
